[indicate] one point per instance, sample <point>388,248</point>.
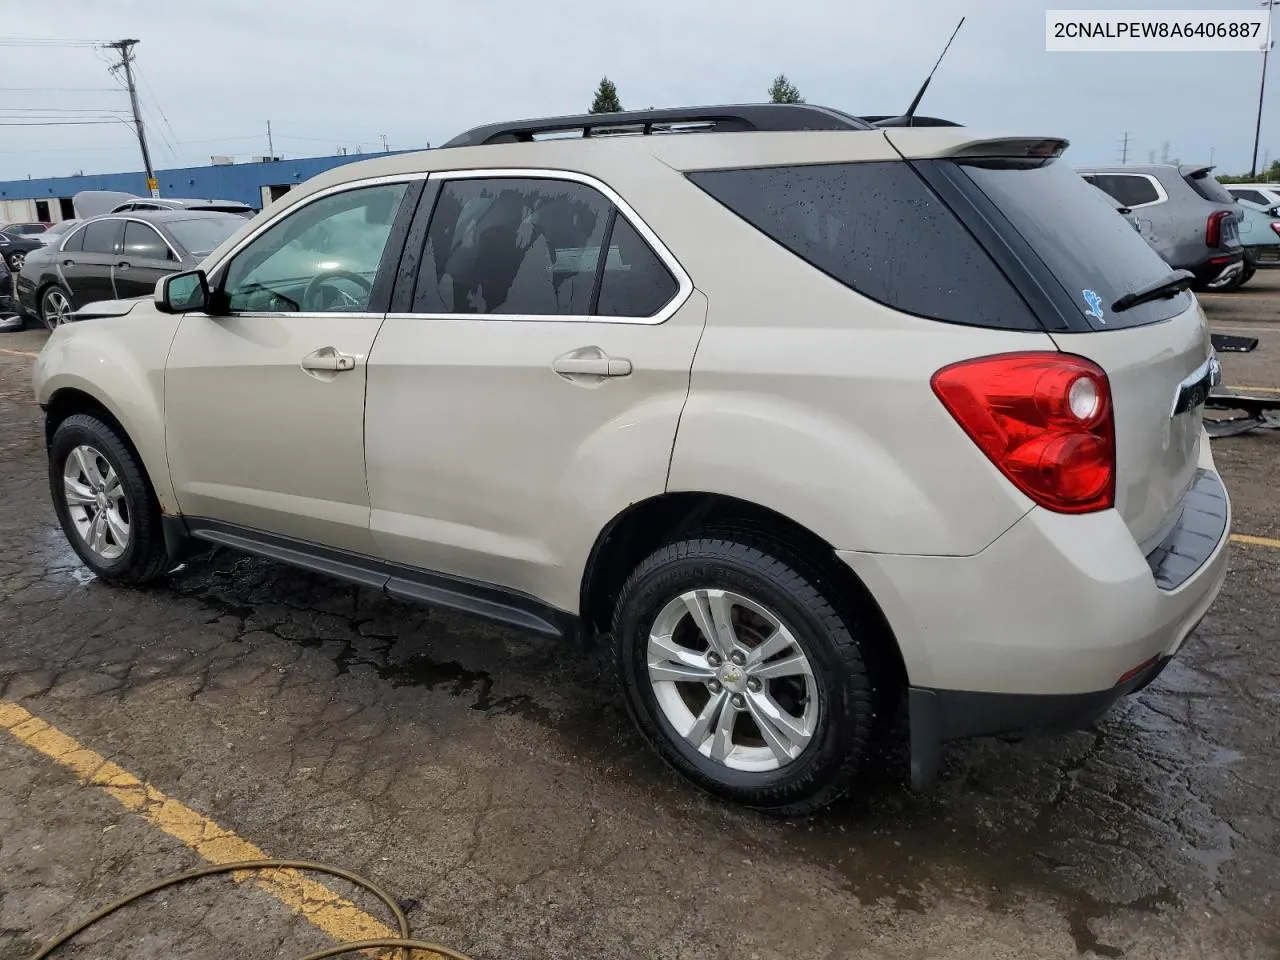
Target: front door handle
<point>590,362</point>
<point>68,263</point>
<point>123,265</point>
<point>328,359</point>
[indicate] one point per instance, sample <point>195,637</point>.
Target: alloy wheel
<point>96,502</point>
<point>56,309</point>
<point>17,260</point>
<point>731,679</point>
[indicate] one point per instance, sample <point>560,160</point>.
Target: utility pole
<point>1124,149</point>
<point>1262,88</point>
<point>271,147</point>
<point>385,148</point>
<point>125,49</point>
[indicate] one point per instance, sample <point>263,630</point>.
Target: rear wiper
<point>1170,286</point>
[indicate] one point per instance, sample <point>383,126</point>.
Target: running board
<point>482,600</point>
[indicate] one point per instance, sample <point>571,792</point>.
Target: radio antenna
<point>909,116</point>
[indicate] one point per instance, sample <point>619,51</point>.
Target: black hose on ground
<point>404,942</point>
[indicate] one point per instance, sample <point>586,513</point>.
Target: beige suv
<point>812,417</point>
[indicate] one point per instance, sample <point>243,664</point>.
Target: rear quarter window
<point>880,230</point>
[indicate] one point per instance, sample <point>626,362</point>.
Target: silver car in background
<point>1184,213</point>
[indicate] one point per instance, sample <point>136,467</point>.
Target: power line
<point>62,110</point>
<point>59,90</point>
<point>52,123</point>
<point>45,42</point>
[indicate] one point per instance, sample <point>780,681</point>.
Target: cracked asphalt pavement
<point>493,783</point>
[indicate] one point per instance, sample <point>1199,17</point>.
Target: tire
<point>1245,277</point>
<point>51,315</point>
<point>733,566</point>
<point>16,261</point>
<point>85,456</point>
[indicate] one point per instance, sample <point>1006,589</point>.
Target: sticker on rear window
<point>1095,305</point>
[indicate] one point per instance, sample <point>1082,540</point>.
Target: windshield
<point>202,236</point>
<point>1093,252</point>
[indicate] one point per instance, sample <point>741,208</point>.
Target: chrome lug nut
<point>739,701</point>
<point>738,657</point>
<point>753,684</point>
<point>714,659</point>
<point>714,686</point>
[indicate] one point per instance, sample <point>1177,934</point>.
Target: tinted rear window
<point>1129,189</point>
<point>1088,247</point>
<point>1209,188</point>
<point>876,227</point>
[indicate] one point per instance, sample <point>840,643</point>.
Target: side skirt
<point>483,600</point>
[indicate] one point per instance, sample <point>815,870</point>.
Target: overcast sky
<point>330,73</point>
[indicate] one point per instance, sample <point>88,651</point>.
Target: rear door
<point>528,382</point>
<point>1148,351</point>
<point>86,271</point>
<point>145,257</point>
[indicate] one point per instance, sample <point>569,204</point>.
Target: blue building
<point>256,183</point>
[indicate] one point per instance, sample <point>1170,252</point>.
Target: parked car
<point>1118,207</point>
<point>53,236</point>
<point>1184,213</point>
<point>1260,196</point>
<point>14,247</point>
<point>808,420</point>
<point>117,256</point>
<point>171,203</point>
<point>23,229</point>
<point>1260,235</point>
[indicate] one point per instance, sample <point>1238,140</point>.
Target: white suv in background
<point>1260,196</point>
<point>810,416</point>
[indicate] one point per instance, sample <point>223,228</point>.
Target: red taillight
<point>1275,226</point>
<point>1044,419</point>
<point>1213,228</point>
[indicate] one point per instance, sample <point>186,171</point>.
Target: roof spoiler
<point>1195,171</point>
<point>921,143</point>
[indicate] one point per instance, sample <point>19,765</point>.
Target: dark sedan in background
<point>116,257</point>
<point>14,247</point>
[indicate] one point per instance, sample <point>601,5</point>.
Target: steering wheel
<point>316,299</point>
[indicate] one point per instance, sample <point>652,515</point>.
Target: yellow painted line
<point>1255,389</point>
<point>19,353</point>
<point>335,915</point>
<point>1256,541</point>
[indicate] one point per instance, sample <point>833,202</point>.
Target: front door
<point>532,387</point>
<point>144,258</point>
<point>264,395</point>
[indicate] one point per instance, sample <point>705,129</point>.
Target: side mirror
<point>182,292</point>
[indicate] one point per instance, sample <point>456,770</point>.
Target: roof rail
<point>915,121</point>
<point>749,116</point>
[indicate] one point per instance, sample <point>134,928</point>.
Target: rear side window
<point>879,229</point>
<point>1209,188</point>
<point>536,247</point>
<point>634,283</point>
<point>101,236</point>
<point>143,242</point>
<point>1095,255</point>
<point>1132,191</point>
<point>75,241</point>
<point>1251,195</point>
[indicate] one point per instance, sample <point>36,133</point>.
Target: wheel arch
<point>648,524</point>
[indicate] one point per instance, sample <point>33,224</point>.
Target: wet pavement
<point>494,783</point>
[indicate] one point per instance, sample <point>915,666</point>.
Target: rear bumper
<point>1051,624</point>
<point>1219,269</point>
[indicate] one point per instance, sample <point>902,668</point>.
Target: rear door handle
<point>599,365</point>
<point>68,263</point>
<point>328,358</point>
<point>124,265</point>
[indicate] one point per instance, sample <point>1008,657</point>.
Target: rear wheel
<point>16,260</point>
<point>742,674</point>
<point>55,307</point>
<point>104,502</point>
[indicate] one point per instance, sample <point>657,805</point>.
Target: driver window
<point>321,259</point>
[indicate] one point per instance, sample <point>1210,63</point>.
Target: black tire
<point>144,557</point>
<point>794,591</point>
<point>45,308</point>
<point>1245,277</point>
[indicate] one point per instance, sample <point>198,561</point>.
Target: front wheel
<point>104,501</point>
<point>742,674</point>
<point>55,307</point>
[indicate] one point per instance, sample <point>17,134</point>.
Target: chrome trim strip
<point>1191,380</point>
<point>684,283</point>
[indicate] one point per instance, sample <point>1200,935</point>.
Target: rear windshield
<point>202,236</point>
<point>1209,188</point>
<point>1091,250</point>
<point>879,229</point>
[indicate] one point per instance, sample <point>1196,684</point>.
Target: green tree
<point>606,100</point>
<point>783,90</point>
